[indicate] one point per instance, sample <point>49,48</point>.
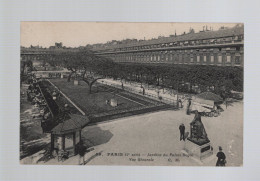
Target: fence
<point>165,100</point>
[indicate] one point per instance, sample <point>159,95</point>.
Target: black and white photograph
<point>132,94</point>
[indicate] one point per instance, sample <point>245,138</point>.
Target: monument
<point>198,145</point>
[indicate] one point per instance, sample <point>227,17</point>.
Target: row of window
<point>184,58</point>
<point>233,39</point>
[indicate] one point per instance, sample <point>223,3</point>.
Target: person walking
<point>188,107</point>
<point>81,152</point>
<point>221,162</point>
<point>180,104</point>
<point>182,132</point>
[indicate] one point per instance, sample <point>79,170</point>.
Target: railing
<point>165,100</point>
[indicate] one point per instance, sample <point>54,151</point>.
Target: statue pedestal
<point>198,151</point>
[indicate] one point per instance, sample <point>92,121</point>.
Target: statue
<point>198,134</point>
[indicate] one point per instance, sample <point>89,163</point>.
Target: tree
<point>73,61</point>
<point>95,68</point>
<point>26,64</point>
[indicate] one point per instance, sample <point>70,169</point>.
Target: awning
<point>203,102</point>
<point>210,96</point>
<point>199,108</point>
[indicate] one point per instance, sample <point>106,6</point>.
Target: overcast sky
<point>74,34</point>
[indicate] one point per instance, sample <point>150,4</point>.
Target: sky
<point>74,34</point>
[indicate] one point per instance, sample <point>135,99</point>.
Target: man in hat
<point>182,131</point>
<point>221,158</point>
<point>81,151</point>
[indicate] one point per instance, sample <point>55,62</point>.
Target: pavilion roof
<point>75,122</point>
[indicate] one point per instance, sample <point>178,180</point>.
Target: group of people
<point>36,98</point>
<point>54,75</point>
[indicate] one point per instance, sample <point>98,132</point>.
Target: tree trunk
<point>23,69</point>
<point>69,77</point>
<point>90,88</point>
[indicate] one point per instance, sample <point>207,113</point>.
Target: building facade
<point>222,48</point>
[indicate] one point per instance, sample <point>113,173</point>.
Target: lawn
<point>94,104</point>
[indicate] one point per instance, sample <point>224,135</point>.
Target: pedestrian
<point>188,106</point>
<point>122,85</point>
<point>182,132</point>
<point>226,103</point>
<point>180,102</point>
<point>221,162</point>
<point>81,152</point>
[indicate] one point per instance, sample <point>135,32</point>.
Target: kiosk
<point>66,135</point>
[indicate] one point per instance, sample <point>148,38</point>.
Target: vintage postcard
<point>153,94</point>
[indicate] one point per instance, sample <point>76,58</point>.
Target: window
<point>228,59</point>
<point>220,59</point>
<point>180,58</point>
<point>237,60</point>
<point>191,59</point>
<point>162,57</point>
<point>57,142</point>
<point>212,59</point>
<point>205,58</point>
<point>198,58</point>
<point>69,141</point>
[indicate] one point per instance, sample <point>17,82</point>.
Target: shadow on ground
<point>186,135</point>
<point>94,136</point>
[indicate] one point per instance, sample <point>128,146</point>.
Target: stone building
<point>224,47</point>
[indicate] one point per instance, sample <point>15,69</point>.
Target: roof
<point>186,37</point>
<point>210,96</point>
<point>75,122</point>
